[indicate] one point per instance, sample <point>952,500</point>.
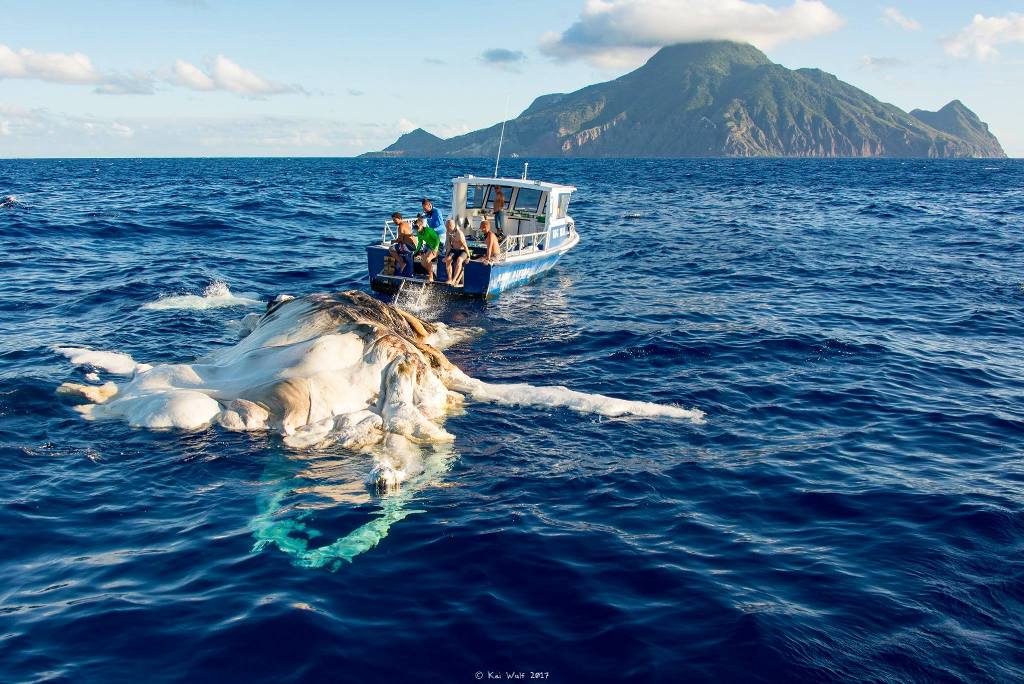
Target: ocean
<point>851,509</point>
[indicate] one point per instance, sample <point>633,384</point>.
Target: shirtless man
<point>456,252</point>
<point>403,246</point>
<point>499,210</point>
<point>491,241</point>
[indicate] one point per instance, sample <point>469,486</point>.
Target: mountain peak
<point>721,54</point>
<point>415,138</point>
<point>957,119</point>
<point>958,108</point>
<point>417,142</point>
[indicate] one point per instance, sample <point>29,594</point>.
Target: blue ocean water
<point>852,509</point>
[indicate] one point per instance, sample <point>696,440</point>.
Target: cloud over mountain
<point>618,32</point>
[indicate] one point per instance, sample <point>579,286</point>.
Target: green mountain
<point>956,119</point>
<point>426,144</point>
<point>716,99</point>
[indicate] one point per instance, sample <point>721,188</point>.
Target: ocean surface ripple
<point>851,510</point>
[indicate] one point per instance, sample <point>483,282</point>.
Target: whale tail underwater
<point>327,371</point>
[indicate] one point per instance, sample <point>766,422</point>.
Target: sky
<point>135,78</point>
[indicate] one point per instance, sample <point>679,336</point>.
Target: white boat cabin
<point>536,212</point>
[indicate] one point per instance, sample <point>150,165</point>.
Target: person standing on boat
<point>499,210</point>
<point>427,246</point>
<point>434,218</point>
<point>457,252</point>
<point>402,247</point>
<point>491,241</point>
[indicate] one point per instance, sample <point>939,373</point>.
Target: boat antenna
<point>502,138</point>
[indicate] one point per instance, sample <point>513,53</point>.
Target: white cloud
<point>72,68</point>
<point>55,67</point>
<point>296,139</point>
<point>620,32</point>
<point>980,38</point>
<point>121,130</point>
<point>406,126</point>
<point>227,75</point>
<point>190,76</point>
<point>125,84</point>
<point>36,124</point>
<point>893,16</point>
<point>76,68</point>
<point>42,132</point>
<point>448,131</point>
<point>222,74</point>
<point>881,63</point>
<point>230,76</point>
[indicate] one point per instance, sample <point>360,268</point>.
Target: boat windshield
<point>475,196</point>
<point>505,189</point>
<point>529,200</point>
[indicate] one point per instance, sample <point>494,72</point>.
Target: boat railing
<point>512,245</point>
<point>389,233</point>
<point>525,243</point>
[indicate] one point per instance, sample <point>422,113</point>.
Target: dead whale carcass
<point>328,368</point>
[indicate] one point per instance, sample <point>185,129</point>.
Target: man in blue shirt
<point>434,219</point>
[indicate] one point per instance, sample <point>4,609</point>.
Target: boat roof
<point>514,182</point>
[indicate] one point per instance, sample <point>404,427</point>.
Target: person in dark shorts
<point>456,253</point>
<point>402,247</point>
<point>427,246</point>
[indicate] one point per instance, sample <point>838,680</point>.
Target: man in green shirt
<point>427,245</point>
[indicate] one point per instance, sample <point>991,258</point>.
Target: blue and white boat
<point>538,231</point>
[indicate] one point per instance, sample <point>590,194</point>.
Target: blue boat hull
<point>503,276</point>
<point>480,279</point>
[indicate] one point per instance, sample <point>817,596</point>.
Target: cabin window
<point>529,200</point>
<point>474,196</point>
<point>506,190</point>
<point>563,205</point>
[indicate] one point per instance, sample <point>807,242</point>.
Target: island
<point>717,99</point>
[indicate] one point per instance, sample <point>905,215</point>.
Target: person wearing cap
<point>434,219</point>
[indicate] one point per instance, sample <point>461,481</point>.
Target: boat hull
<point>480,279</point>
<point>506,275</point>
